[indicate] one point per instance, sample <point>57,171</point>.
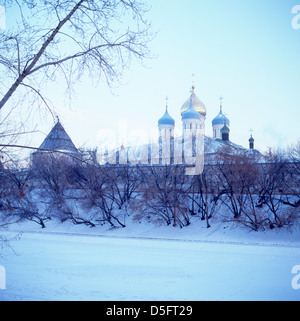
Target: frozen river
<point>77,267</point>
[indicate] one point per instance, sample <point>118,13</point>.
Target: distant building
<point>193,115</point>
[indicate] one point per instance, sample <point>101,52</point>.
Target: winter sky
<point>247,51</point>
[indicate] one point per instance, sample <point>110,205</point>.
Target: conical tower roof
<point>58,140</point>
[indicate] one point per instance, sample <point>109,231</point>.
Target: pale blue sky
<point>246,51</point>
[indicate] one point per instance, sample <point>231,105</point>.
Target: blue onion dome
<point>221,119</point>
<point>191,113</point>
<point>251,139</point>
<point>166,119</point>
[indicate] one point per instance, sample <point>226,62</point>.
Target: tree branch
<point>28,69</point>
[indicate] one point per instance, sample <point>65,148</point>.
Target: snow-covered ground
<point>144,262</point>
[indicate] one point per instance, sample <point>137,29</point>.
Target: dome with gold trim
<point>197,104</point>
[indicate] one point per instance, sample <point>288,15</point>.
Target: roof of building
<point>221,118</point>
<point>58,140</point>
<point>150,152</point>
<point>166,119</point>
<point>191,113</point>
<point>225,129</point>
<point>197,103</point>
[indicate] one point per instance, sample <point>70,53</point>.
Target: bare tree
<point>56,178</point>
<point>271,185</point>
<point>16,203</point>
<point>125,180</point>
<point>232,178</point>
<point>279,181</point>
<point>292,177</point>
<point>101,193</point>
<point>202,194</point>
<point>70,38</point>
<point>57,39</point>
<point>163,198</point>
<point>237,176</point>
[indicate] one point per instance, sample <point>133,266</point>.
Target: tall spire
<point>251,140</point>
<point>192,88</point>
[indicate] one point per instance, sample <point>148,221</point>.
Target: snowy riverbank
<point>219,232</point>
<point>144,262</point>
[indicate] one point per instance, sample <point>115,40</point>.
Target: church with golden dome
<point>193,115</point>
<point>194,111</point>
<point>197,104</point>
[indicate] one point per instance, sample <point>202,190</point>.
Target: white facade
<point>192,125</point>
<point>217,131</point>
<point>166,131</point>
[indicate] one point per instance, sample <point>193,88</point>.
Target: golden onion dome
<point>197,104</point>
